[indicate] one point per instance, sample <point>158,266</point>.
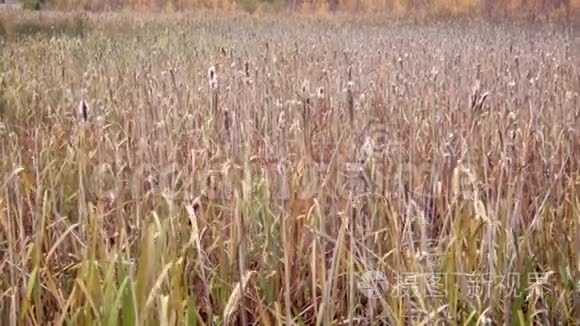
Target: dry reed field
<point>224,170</point>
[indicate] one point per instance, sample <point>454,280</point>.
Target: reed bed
<point>196,169</point>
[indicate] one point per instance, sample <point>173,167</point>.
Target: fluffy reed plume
<point>233,305</point>
<point>477,100</point>
<point>305,88</point>
<point>366,150</point>
<point>214,93</point>
<point>212,78</point>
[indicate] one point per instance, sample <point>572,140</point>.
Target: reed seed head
<point>83,110</point>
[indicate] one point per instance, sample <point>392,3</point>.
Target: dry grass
<point>318,150</point>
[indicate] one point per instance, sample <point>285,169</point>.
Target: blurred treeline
<point>519,8</point>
